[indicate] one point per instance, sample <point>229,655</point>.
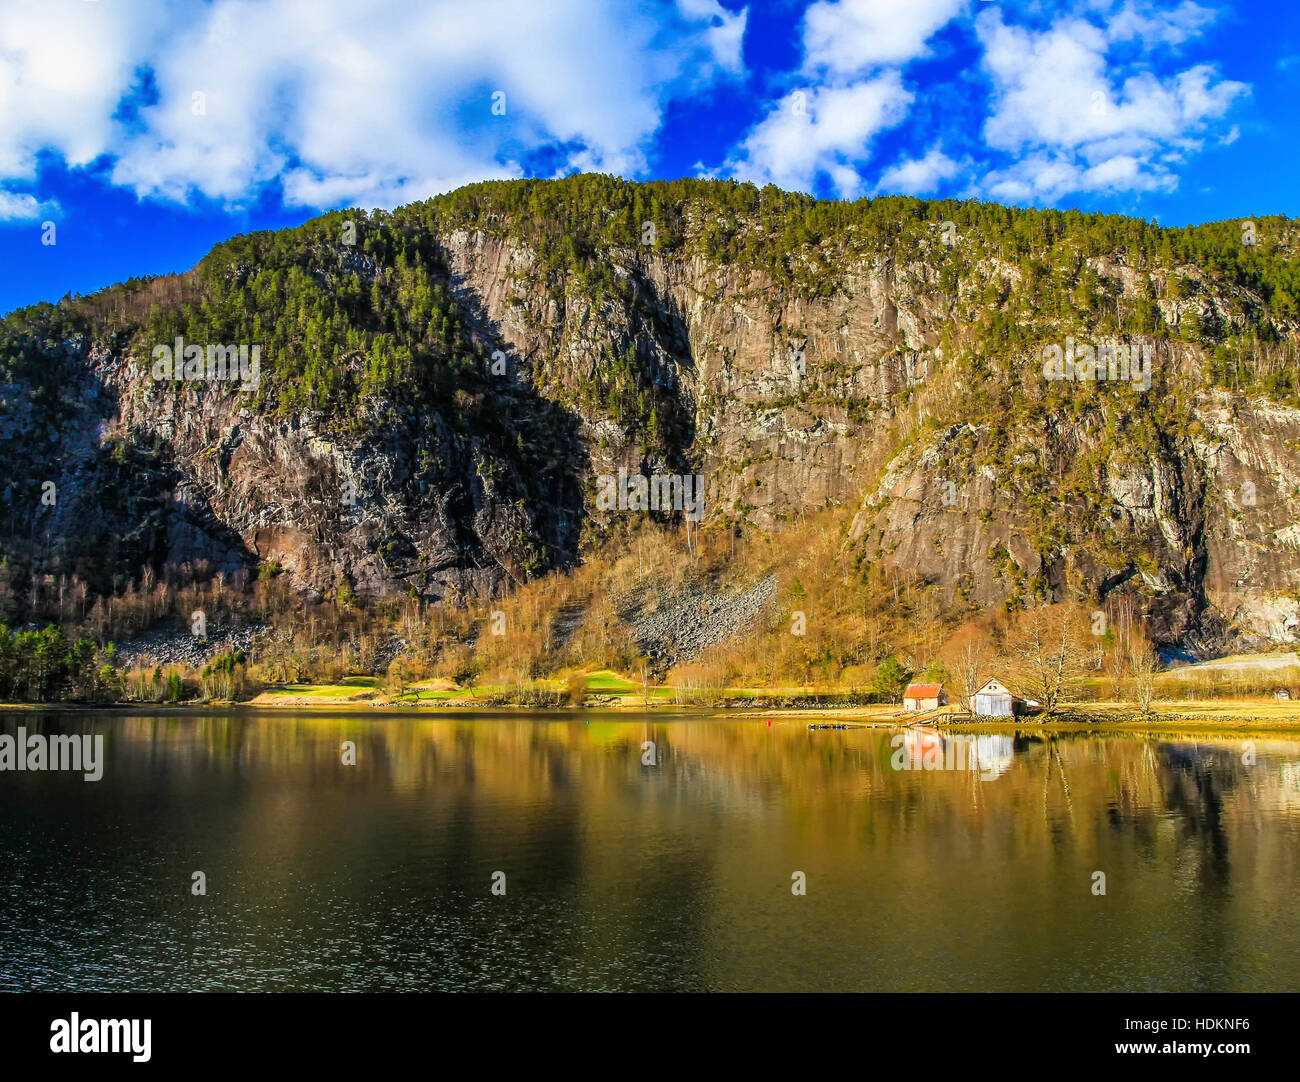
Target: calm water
<point>626,876</point>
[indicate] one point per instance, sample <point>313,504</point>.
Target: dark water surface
<point>621,875</point>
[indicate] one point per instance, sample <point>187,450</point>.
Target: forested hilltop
<point>445,390</point>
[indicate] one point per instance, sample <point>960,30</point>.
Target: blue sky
<point>147,130</point>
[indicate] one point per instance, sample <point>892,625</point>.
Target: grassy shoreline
<point>1208,716</point>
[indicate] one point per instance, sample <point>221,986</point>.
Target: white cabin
<point>993,700</point>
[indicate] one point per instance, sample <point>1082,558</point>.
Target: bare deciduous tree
<point>1050,654</point>
<point>967,666</point>
<point>1121,637</point>
<point>1144,662</point>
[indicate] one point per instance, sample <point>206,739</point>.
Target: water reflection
<point>920,748</point>
<point>630,869</point>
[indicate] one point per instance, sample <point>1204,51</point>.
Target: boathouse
<point>921,697</point>
<point>993,700</point>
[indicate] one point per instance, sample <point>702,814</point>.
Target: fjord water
<point>621,875</point>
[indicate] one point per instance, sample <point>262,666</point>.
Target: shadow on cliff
<point>539,438</point>
<point>100,508</point>
<point>662,331</point>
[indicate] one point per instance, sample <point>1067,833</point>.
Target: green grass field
<point>602,682</point>
<point>423,694</point>
<point>610,683</point>
<point>350,687</point>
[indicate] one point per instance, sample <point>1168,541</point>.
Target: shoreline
<point>1203,716</point>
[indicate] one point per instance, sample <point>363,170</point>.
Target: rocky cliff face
<point>792,406</point>
<point>1200,531</point>
<point>785,400</point>
<point>779,402</point>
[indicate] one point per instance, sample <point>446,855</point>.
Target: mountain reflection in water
<point>622,875</point>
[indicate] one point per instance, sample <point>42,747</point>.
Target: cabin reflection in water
<point>919,748</point>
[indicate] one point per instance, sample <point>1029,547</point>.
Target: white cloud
<point>726,31</point>
<point>851,36</point>
<point>853,55</point>
<point>919,176</point>
<point>343,101</point>
<point>21,207</point>
<point>1051,176</point>
<point>377,102</point>
<point>822,130</point>
<point>1078,121</point>
<point>1154,26</point>
<point>64,66</point>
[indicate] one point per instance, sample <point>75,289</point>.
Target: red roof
<point>922,691</point>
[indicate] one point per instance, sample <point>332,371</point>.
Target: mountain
<point>443,392</point>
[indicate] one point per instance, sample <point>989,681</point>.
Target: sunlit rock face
<point>861,385</point>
